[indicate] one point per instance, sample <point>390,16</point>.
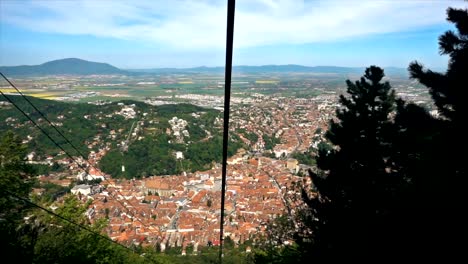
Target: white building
<point>84,189</point>
<point>92,175</point>
<point>179,155</point>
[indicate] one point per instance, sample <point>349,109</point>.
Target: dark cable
<point>63,136</point>
<point>74,160</point>
<point>227,101</point>
<point>43,131</point>
<point>65,219</point>
<point>43,116</point>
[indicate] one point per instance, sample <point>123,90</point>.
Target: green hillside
<point>151,145</point>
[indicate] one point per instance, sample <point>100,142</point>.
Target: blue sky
<point>183,33</point>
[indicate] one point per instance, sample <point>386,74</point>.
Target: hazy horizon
<point>203,66</point>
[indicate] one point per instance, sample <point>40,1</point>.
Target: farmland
<point>183,87</point>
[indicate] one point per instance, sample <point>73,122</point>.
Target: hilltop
<point>72,66</point>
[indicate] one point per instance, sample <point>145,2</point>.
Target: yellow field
<point>49,96</point>
<point>7,90</point>
<point>185,82</point>
<point>266,81</point>
<point>36,93</point>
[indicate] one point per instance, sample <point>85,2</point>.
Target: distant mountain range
<point>289,68</point>
<point>75,66</point>
<point>71,66</point>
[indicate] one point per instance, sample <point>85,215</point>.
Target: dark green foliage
<point>171,110</point>
<point>392,187</point>
<point>44,169</point>
<point>228,243</point>
<point>14,178</point>
<point>285,255</point>
<point>155,157</point>
<point>252,137</point>
<point>150,156</point>
<point>201,154</point>
<point>304,158</point>
<point>272,249</point>
<point>447,89</point>
<point>14,173</point>
<point>205,255</point>
<point>58,241</point>
<point>51,191</point>
<point>357,186</point>
<point>270,141</point>
<point>429,149</point>
<point>75,127</point>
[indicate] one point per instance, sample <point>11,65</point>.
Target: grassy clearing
<point>266,82</point>
<point>105,98</point>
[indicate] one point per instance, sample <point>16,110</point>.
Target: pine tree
<point>392,184</point>
<point>449,90</point>
<point>429,151</point>
<point>358,187</point>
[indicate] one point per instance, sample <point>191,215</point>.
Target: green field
<point>147,86</point>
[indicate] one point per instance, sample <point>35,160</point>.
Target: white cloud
<point>183,24</point>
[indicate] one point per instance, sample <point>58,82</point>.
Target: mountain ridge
<point>75,66</point>
<point>285,68</point>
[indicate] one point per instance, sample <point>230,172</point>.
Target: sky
<point>188,33</point>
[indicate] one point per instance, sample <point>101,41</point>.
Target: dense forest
<point>155,156</point>
<point>77,128</point>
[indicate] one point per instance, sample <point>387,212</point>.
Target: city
<point>224,131</point>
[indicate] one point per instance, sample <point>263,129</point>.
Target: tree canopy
<point>391,185</point>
